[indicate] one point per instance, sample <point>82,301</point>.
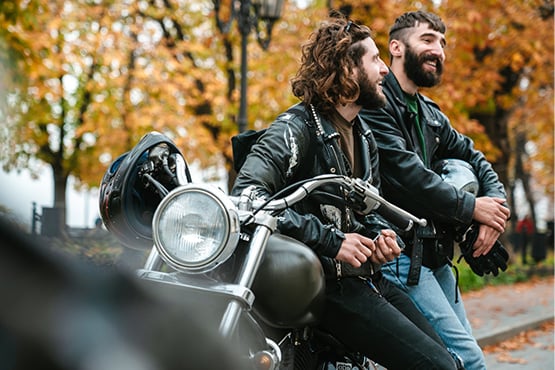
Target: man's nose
<point>383,68</point>
<point>438,51</point>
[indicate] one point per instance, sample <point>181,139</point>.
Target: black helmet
<point>458,173</point>
<point>127,202</point>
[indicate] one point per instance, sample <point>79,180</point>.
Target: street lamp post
<point>249,13</point>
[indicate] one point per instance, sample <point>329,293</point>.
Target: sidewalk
<point>497,313</point>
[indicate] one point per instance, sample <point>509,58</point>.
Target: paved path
<point>534,351</point>
<point>500,312</point>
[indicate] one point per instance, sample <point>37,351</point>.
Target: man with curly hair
<point>341,71</point>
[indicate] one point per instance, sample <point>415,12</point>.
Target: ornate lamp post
<point>249,13</point>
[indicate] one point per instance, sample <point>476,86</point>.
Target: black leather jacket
<point>297,147</point>
<point>409,182</point>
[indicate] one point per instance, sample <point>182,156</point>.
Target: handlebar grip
<point>401,221</point>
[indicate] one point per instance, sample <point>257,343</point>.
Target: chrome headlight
<point>195,228</point>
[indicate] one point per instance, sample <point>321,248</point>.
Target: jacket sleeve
<point>407,182</point>
<point>273,161</point>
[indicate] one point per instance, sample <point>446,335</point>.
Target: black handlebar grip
<point>401,221</point>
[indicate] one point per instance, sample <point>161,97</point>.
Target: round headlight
<point>195,228</point>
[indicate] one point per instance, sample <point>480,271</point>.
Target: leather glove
<point>496,259</point>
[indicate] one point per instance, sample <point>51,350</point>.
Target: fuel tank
<point>289,286</point>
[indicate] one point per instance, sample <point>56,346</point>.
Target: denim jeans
<point>383,324</point>
<point>435,297</point>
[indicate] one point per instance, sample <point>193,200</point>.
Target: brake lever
<point>367,195</point>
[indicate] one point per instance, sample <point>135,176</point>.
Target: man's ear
<point>396,48</point>
<point>355,72</point>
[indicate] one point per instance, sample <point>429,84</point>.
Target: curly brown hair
<point>325,78</point>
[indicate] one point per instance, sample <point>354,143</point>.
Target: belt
<point>429,252</point>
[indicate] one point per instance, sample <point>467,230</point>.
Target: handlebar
<point>398,216</point>
<point>362,195</point>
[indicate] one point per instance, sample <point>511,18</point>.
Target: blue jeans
<point>435,298</point>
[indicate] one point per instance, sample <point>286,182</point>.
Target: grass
<point>516,272</point>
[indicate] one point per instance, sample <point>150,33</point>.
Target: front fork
<point>153,262</point>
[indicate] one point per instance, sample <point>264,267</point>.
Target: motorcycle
<point>262,290</point>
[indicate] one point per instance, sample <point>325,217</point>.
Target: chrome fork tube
<point>153,261</point>
<point>267,224</point>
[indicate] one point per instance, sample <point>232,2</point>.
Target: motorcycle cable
<point>159,188</point>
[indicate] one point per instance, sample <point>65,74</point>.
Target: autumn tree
<point>498,84</point>
<point>83,81</point>
<point>509,84</point>
<point>39,109</point>
<point>97,76</point>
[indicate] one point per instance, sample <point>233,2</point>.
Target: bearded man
<point>412,136</point>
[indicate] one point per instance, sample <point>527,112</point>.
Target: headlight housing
<point>195,228</point>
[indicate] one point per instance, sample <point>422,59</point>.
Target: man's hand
<point>357,249</point>
<point>491,212</point>
<point>485,241</point>
<point>387,248</point>
<point>491,262</point>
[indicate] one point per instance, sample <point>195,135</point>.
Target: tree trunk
<point>521,173</point>
<point>496,124</point>
<point>60,187</point>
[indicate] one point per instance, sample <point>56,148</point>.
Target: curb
<point>505,332</point>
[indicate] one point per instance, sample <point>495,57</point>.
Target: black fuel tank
<point>289,287</point>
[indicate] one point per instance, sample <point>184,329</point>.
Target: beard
<point>415,71</point>
<point>369,97</point>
